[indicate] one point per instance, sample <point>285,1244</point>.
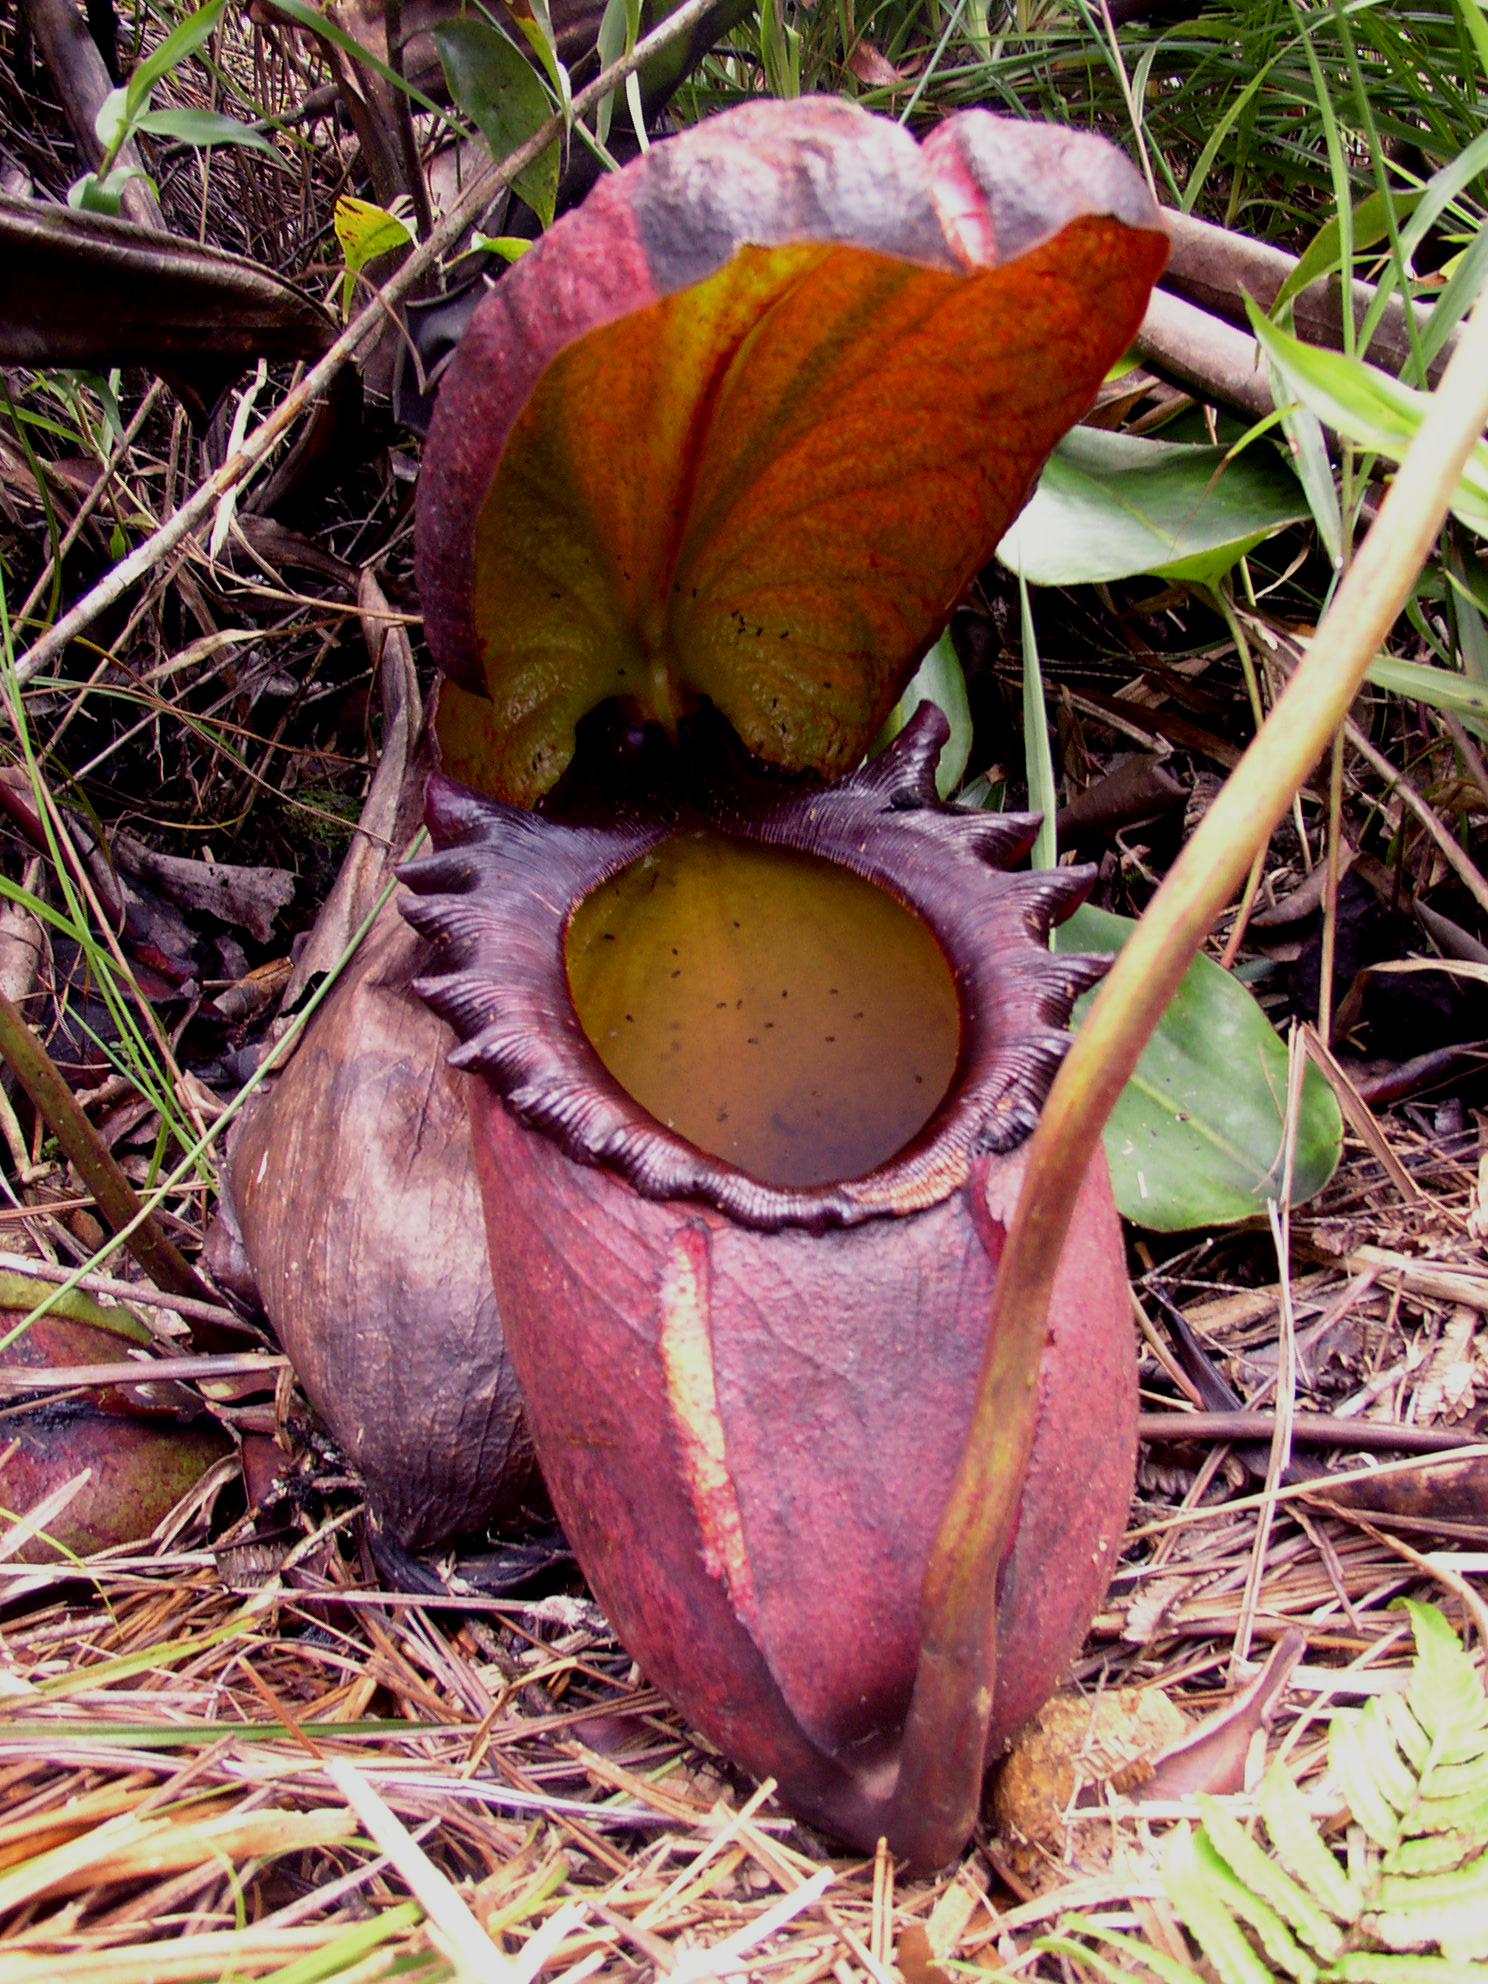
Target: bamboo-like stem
<point>939,1784</point>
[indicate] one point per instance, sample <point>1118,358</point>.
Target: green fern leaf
<point>1414,1770</point>
<point>1459,1745</point>
<point>1466,1816</point>
<point>1445,1694</point>
<point>1373,1967</point>
<point>1407,1731</point>
<point>1300,1847</point>
<point>1395,1773</point>
<point>1465,1772</point>
<point>1467,1779</point>
<point>1431,1853</point>
<point>1450,1910</point>
<point>1258,1878</point>
<point>1455,1747</point>
<point>1361,1754</point>
<point>1190,1887</point>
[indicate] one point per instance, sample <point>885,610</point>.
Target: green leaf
<point>110,123</point>
<point>1465,273</point>
<point>202,127</point>
<point>1324,253</point>
<point>1445,1695</point>
<point>102,196</point>
<point>615,39</point>
<point>318,23</point>
<point>536,23</point>
<point>1442,688</point>
<point>1300,1848</point>
<point>192,34</point>
<point>1261,1879</point>
<point>939,679</point>
<point>1427,207</point>
<point>495,85</point>
<point>1110,506</point>
<point>1361,1751</point>
<point>510,247</point>
<point>364,231</point>
<point>1427,1893</point>
<point>1280,1945</point>
<point>1131,1948</point>
<point>1043,794</point>
<point>1309,446</point>
<point>1470,12</point>
<point>1450,1910</point>
<point>1191,1889</point>
<point>1196,1138</point>
<point>1366,406</point>
<point>1469,583</point>
<point>1372,1967</point>
<point>323,1965</point>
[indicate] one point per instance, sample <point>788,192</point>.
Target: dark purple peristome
<point>498,896</point>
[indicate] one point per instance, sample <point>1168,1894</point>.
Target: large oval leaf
<point>1196,1138</point>
<point>1111,506</point>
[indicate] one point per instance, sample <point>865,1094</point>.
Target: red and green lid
<point>742,426</point>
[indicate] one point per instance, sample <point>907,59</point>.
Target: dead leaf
<point>249,898</point>
<point>91,290</point>
<point>873,69</point>
<point>1213,1756</point>
<point>925,1947</point>
<point>1446,1388</point>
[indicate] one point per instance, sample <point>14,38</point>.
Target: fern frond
<point>1449,1910</point>
<point>1259,1877</point>
<point>1430,1854</point>
<point>1466,1815</point>
<point>1375,1967</point>
<point>1407,1731</point>
<point>1414,1770</point>
<point>1300,1847</point>
<point>1445,1695</point>
<point>1191,1885</point>
<point>1363,1757</point>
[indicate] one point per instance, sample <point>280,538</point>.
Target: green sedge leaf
<point>202,127</point>
<point>1366,406</point>
<point>184,41</point>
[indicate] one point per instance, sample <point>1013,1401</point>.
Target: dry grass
<point>234,1751</point>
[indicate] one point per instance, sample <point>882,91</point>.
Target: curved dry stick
<point>936,1798</point>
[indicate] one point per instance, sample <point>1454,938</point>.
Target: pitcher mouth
<point>523,908</point>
